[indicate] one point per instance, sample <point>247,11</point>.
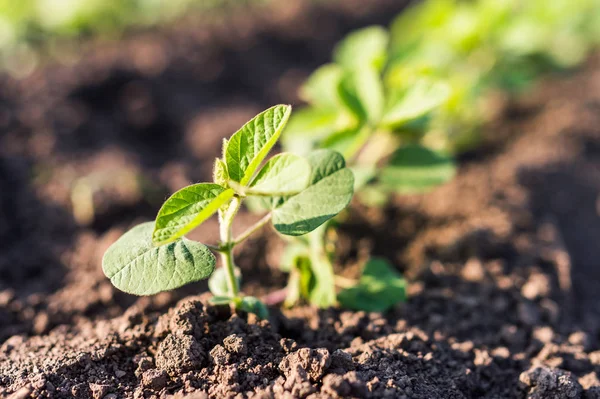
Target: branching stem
<point>252,229</point>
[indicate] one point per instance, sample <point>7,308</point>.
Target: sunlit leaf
<point>330,190</point>
<point>284,174</point>
<point>249,146</point>
<point>187,209</point>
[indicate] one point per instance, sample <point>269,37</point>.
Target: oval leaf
<point>367,46</point>
<point>252,304</point>
<point>321,87</point>
<point>415,169</point>
<point>134,265</point>
<point>423,97</point>
<point>187,209</point>
<point>284,174</point>
<point>248,147</point>
<point>330,191</point>
<point>380,287</point>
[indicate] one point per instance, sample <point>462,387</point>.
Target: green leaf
<point>248,147</point>
<point>252,304</point>
<point>369,91</point>
<point>187,209</point>
<point>134,265</point>
<point>330,190</point>
<point>321,87</point>
<point>416,169</point>
<point>220,175</point>
<point>308,126</point>
<point>367,46</point>
<point>217,283</point>
<point>380,287</point>
<point>284,174</point>
<point>422,97</point>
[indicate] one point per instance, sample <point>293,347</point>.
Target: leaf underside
<point>329,192</point>
<point>136,266</point>
<point>283,174</point>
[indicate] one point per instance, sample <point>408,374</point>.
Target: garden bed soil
<point>502,261</point>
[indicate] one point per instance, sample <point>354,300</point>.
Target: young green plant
<point>300,194</point>
<point>353,109</point>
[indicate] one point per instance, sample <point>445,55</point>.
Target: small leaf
<point>330,190</point>
<point>187,209</point>
<point>308,126</point>
<point>252,304</point>
<point>369,90</point>
<point>284,174</point>
<point>423,97</point>
<point>380,287</point>
<point>416,169</point>
<point>134,265</point>
<point>249,146</point>
<point>321,87</point>
<point>217,283</point>
<point>367,46</point>
<point>220,175</point>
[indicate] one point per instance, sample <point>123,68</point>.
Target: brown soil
<point>502,261</point>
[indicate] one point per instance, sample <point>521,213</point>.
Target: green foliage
<point>134,265</point>
<point>398,104</point>
<point>380,287</point>
<point>330,189</point>
<point>249,146</point>
<point>302,195</point>
<point>351,101</point>
<point>187,209</point>
<point>415,169</point>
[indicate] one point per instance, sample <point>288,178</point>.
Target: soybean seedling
<point>352,108</point>
<point>300,193</point>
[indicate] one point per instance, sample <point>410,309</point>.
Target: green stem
<point>257,226</point>
<point>227,245</point>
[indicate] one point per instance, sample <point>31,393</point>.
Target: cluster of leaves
<point>27,25</point>
<point>479,46</point>
<point>397,103</point>
<point>301,194</point>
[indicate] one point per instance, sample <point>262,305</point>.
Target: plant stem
<point>227,244</point>
<point>257,226</point>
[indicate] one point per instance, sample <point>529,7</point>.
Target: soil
<point>503,298</point>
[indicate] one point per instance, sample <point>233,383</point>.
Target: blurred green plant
<point>397,104</point>
<point>301,193</point>
<point>25,25</point>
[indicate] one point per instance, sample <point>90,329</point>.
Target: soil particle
<point>545,383</point>
<point>305,361</point>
